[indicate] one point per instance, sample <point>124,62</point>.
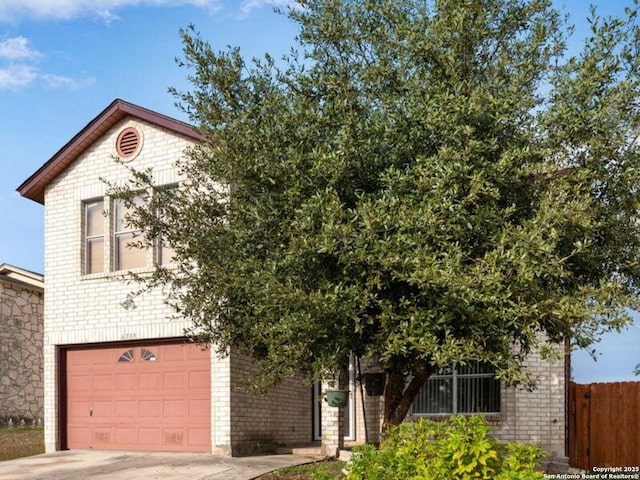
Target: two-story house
<point>118,373</point>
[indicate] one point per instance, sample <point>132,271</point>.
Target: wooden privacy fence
<point>604,425</point>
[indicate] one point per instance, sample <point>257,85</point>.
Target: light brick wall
<point>87,309</point>
<point>332,420</point>
<point>221,405</point>
<point>529,417</point>
<point>538,416</point>
<point>374,406</point>
<point>259,423</point>
<point>21,360</point>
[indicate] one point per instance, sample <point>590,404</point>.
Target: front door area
<point>349,410</point>
<point>138,397</point>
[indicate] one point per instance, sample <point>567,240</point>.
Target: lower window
<point>469,389</point>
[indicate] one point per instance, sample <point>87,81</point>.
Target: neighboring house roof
<point>34,186</point>
<point>21,276</point>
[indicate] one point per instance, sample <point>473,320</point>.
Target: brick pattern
<point>537,416</point>
<point>87,309</point>
<point>21,361</point>
<point>83,309</point>
<point>221,405</point>
<point>529,417</point>
<point>374,406</point>
<point>534,417</point>
<point>332,424</point>
<point>260,423</point>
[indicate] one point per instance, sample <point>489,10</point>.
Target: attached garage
<point>138,397</point>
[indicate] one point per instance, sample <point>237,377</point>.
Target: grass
<point>325,470</point>
<point>21,442</point>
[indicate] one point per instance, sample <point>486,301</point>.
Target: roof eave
<point>34,186</point>
<point>21,276</point>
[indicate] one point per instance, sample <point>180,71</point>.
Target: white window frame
<point>110,236</point>
<point>116,234</point>
<point>159,241</point>
<point>88,238</point>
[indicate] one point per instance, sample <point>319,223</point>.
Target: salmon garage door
<point>153,397</point>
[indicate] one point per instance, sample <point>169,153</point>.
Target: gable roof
<point>21,276</point>
<point>34,186</point>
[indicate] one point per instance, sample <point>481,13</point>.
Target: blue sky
<point>64,61</point>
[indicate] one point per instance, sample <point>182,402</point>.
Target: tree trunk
<point>398,396</point>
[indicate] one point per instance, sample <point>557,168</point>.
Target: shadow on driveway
<point>105,465</point>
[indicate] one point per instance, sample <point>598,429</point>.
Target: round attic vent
<point>128,143</point>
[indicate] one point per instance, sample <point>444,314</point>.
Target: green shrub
<point>459,448</point>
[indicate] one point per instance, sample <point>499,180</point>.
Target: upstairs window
<point>94,236</point>
<point>164,252</point>
<point>467,390</point>
<point>127,255</point>
<point>111,243</point>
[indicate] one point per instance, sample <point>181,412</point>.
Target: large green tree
<point>419,182</point>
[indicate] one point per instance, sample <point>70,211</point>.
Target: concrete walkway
<point>104,465</point>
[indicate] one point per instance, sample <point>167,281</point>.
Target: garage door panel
<point>153,397</point>
<point>102,437</point>
<point>80,383</point>
<point>199,437</point>
<point>173,438</point>
<point>76,409</point>
<point>150,408</point>
<point>197,353</point>
<point>174,381</point>
<point>81,437</point>
<point>101,409</point>
<point>102,383</point>
<point>168,353</point>
<point>104,356</point>
<point>149,437</point>
<point>150,381</point>
<point>126,382</point>
<point>126,436</point>
<point>199,408</point>
<point>174,409</point>
<point>126,408</point>
<point>199,379</point>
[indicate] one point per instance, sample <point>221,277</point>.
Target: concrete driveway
<point>103,465</point>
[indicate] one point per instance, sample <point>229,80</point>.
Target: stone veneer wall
<point>21,363</point>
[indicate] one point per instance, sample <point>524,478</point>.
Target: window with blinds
<point>469,389</point>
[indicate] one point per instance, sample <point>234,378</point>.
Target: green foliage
<point>321,474</point>
<point>459,448</point>
<point>324,470</point>
<point>422,182</point>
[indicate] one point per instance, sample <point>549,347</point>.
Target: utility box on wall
<point>374,384</point>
